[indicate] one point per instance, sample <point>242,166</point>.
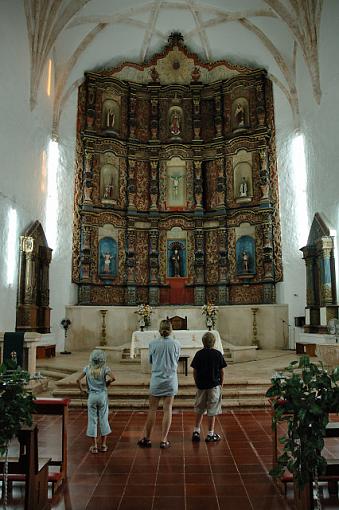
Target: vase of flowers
<point>144,312</point>
<point>210,311</point>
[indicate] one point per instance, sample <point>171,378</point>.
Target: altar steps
<point>235,395</point>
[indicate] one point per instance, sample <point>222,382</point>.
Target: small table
<point>184,358</point>
<point>56,406</point>
<point>45,351</point>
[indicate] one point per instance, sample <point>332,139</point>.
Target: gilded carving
<point>212,257</point>
<point>142,184</point>
<point>141,257</point>
<point>156,150</point>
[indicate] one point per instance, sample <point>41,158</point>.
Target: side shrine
<point>176,191</point>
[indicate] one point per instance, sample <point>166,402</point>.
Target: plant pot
<point>303,498</point>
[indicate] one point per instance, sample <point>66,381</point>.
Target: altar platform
<point>245,383</point>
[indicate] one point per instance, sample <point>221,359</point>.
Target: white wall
<point>24,135</point>
<point>319,124</point>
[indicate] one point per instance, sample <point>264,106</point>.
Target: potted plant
<point>144,312</point>
<point>210,310</point>
<point>16,406</point>
<point>303,395</point>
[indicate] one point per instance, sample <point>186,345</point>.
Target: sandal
<point>103,448</point>
<point>165,444</point>
<point>93,449</point>
<point>144,443</point>
<point>212,438</point>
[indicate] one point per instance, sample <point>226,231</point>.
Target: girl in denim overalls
<point>98,377</point>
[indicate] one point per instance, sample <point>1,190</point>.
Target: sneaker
<point>196,436</point>
<point>212,438</point>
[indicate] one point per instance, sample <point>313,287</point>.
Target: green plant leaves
<point>302,396</point>
<point>16,404</point>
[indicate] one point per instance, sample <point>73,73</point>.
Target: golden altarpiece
<point>176,192</point>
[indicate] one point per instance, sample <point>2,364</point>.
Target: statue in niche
<point>107,259</point>
<point>176,262</point>
<point>243,188</point>
<point>239,116</point>
<point>110,118</point>
<point>175,184</point>
<point>109,182</point>
<point>88,194</point>
<point>108,192</point>
<point>175,122</point>
<point>107,262</point>
<point>245,259</point>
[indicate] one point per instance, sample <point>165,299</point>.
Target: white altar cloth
<point>187,338</point>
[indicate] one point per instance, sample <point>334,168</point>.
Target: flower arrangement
<point>144,312</point>
<point>210,310</point>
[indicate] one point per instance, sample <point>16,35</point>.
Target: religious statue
<point>107,262</point>
<point>175,184</point>
<point>176,261</point>
<point>88,194</point>
<point>245,260</point>
<point>110,118</point>
<point>239,115</point>
<point>175,123</point>
<point>243,188</point>
<point>108,191</point>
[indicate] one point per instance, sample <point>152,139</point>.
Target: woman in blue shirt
<point>163,355</point>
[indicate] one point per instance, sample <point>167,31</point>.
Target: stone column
<point>221,184</point>
<point>154,294</point>
<point>218,116</point>
<point>85,257</point>
<point>154,93</point>
<point>131,187</point>
<point>154,187</point>
<point>267,240</point>
<point>196,93</point>
<point>264,178</point>
<point>198,189</point>
<point>30,275</point>
<point>199,264</point>
<point>325,254</point>
<point>131,297</point>
<point>87,178</point>
<point>222,286</point>
<point>132,119</point>
<point>310,260</point>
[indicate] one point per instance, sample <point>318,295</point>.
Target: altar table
<point>190,341</point>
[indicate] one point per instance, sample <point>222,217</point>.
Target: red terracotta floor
<point>230,474</point>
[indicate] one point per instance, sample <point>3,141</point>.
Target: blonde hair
<point>208,339</point>
<point>165,328</point>
<point>97,361</point>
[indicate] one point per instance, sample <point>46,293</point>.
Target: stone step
<point>53,374</point>
<point>55,369</point>
<point>142,394</point>
<point>177,404</point>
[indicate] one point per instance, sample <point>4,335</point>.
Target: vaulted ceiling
<point>82,35</point>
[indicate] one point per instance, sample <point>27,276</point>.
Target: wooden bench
<point>306,348</point>
<point>56,407</point>
<point>30,469</point>
<point>45,351</point>
<point>184,359</point>
<point>331,476</point>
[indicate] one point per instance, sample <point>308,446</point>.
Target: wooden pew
<point>30,469</point>
<point>56,407</point>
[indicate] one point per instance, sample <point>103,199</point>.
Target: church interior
<point>168,159</point>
